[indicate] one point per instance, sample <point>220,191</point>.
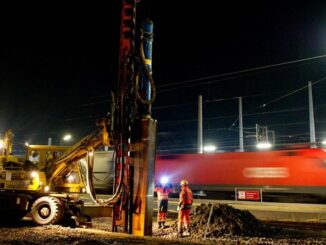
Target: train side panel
<point>295,170</point>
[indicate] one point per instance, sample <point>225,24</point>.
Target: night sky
<point>59,63</point>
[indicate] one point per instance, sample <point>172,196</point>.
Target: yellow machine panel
<point>22,180</point>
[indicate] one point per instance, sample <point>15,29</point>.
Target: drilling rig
<point>46,192</point>
<point>133,129</point>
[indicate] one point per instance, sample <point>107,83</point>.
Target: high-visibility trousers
<point>162,210</point>
<point>184,219</point>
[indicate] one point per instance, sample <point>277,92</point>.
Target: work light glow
<point>264,145</point>
<point>209,148</point>
<point>34,174</point>
<point>164,180</point>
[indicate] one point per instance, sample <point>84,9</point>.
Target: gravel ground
<point>228,225</point>
<point>54,234</point>
<point>25,232</point>
<point>286,236</point>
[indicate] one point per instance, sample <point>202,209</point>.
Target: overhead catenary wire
<point>285,110</point>
<point>208,101</point>
<point>225,76</point>
<point>106,100</point>
<point>182,121</point>
<point>243,72</point>
<point>279,98</point>
<point>221,99</point>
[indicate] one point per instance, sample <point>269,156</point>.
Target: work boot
<point>179,233</point>
<point>159,225</point>
<point>187,232</point>
<point>163,226</point>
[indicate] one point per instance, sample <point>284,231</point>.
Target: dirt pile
<point>223,220</point>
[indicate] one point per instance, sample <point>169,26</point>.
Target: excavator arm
<point>85,148</point>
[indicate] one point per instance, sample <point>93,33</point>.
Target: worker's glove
<point>178,208</point>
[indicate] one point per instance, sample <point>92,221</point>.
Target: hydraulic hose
<point>148,75</point>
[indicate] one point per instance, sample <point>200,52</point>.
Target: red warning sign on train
<point>248,195</point>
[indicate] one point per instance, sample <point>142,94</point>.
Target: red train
<point>297,175</point>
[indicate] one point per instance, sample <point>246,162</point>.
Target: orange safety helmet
<point>184,182</point>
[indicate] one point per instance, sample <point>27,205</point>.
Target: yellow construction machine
<point>46,187</point>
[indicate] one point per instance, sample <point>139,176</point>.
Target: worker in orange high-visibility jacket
<point>184,208</point>
<point>163,191</point>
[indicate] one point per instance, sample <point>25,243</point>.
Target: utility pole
<point>311,118</point>
<point>200,124</point>
<point>257,133</point>
<point>240,126</point>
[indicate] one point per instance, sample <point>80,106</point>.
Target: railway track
<point>289,214</point>
<point>297,225</point>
